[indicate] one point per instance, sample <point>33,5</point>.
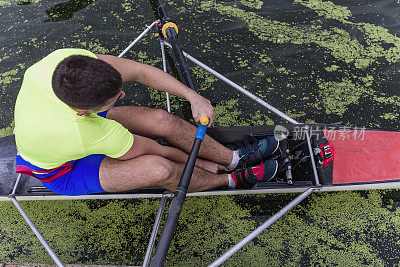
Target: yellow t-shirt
<point>49,133</point>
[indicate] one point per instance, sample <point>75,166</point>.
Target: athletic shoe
<point>255,153</point>
<point>246,178</point>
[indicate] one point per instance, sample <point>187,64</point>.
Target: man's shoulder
<point>44,68</point>
<point>71,51</point>
<point>58,55</point>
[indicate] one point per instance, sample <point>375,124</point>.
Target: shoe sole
<point>272,152</point>
<point>276,148</point>
<point>276,170</point>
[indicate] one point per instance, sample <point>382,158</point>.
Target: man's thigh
<point>140,172</point>
<point>143,121</point>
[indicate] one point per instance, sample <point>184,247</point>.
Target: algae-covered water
<point>318,61</point>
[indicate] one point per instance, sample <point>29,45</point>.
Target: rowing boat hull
<point>362,160</point>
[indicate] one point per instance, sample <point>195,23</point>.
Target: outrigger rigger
<point>313,157</point>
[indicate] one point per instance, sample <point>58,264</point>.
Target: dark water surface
<point>318,61</point>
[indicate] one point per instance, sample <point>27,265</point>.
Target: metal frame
<point>154,233</point>
<point>262,227</point>
<point>166,195</point>
<point>32,225</point>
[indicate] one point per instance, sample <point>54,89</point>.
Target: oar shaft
<point>170,31</point>
<point>171,35</point>
<point>180,59</point>
<point>161,11</point>
<point>177,201</point>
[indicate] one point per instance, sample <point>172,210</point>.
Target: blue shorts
<point>82,179</point>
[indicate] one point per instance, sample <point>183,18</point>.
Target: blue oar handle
<point>201,130</point>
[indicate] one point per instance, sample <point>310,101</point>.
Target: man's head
<point>86,83</point>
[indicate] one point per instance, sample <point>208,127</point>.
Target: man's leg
<point>149,171</point>
<point>146,146</point>
<point>177,132</point>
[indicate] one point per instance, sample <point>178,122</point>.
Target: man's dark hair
<point>85,82</point>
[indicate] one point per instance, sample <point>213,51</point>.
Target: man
<point>72,138</point>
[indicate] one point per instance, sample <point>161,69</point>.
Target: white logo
<point>280,133</point>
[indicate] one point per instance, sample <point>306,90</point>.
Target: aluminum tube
<point>312,157</point>
<point>261,228</point>
<point>168,103</point>
<point>164,62</point>
<point>156,226</point>
<point>138,38</point>
<point>37,233</point>
<point>16,185</point>
<point>238,87</point>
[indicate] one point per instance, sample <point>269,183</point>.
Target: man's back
<point>49,133</point>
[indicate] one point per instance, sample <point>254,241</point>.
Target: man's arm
<point>155,78</point>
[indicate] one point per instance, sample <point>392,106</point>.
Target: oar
<point>179,197</point>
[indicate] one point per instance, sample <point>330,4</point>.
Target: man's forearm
<point>132,71</point>
<point>155,78</point>
<point>158,79</point>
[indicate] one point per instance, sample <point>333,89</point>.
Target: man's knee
<point>163,169</point>
<point>164,121</point>
<point>162,115</point>
<point>165,173</point>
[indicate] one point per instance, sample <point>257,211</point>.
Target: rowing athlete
<point>71,137</point>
